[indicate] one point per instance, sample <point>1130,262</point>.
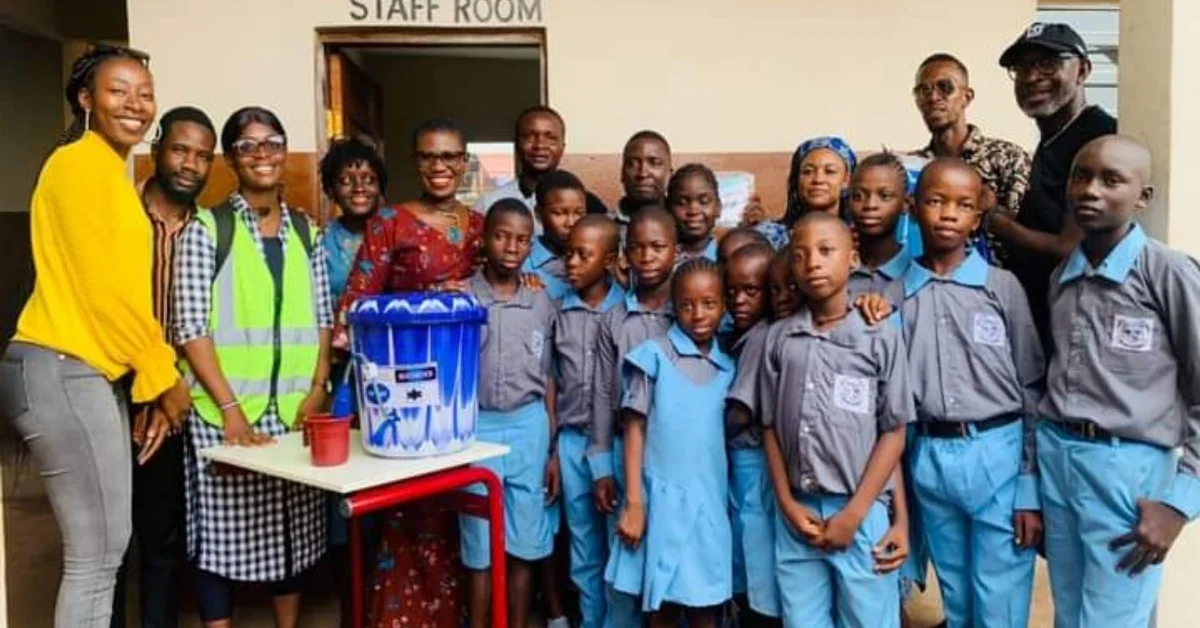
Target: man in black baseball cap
<point>1049,65</point>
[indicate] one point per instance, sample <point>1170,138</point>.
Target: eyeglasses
<point>450,158</point>
<point>247,146</point>
<point>1042,66</point>
<point>925,91</point>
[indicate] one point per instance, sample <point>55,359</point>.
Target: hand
<point>839,531</point>
<point>892,550</point>
<point>1157,528</point>
<point>998,223</point>
<point>238,430</point>
<point>621,270</point>
<point>988,201</point>
<point>553,479</point>
<point>175,403</point>
<point>155,430</point>
<point>341,340</point>
<point>804,521</point>
<point>453,285</point>
<point>1028,527</point>
<point>874,307</point>
<point>532,282</point>
<point>632,524</point>
<point>604,493</point>
<point>754,212</point>
<point>313,403</point>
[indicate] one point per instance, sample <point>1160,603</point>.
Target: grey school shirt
<point>1127,338</point>
<point>514,363</point>
<point>747,350</point>
<point>621,330</point>
<point>829,395</point>
<point>885,280</point>
<point>973,349</point>
<point>576,330</point>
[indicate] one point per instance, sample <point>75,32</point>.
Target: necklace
<point>1064,128</point>
<point>823,321</point>
<point>454,233</point>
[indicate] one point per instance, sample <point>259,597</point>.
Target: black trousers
<point>158,531</point>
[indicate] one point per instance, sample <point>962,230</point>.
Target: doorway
<point>380,84</point>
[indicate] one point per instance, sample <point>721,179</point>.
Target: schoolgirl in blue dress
<point>677,482</point>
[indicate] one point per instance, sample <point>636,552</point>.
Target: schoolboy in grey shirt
<point>835,399</point>
<point>976,368</point>
<point>1119,450</point>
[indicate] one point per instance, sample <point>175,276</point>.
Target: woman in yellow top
<point>88,322</point>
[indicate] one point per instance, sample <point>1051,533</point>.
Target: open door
<point>355,101</point>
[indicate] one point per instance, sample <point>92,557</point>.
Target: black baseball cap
<point>1056,37</point>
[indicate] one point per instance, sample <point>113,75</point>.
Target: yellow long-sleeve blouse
<point>93,251</point>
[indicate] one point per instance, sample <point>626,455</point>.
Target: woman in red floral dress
<point>431,243</point>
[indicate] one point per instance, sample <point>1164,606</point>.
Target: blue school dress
<point>688,541</point>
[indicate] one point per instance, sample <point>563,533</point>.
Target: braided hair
<point>696,266</point>
<point>883,159</point>
<point>83,76</point>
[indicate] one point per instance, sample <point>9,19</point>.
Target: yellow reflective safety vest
<point>267,342</point>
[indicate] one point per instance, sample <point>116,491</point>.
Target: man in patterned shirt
<point>943,93</point>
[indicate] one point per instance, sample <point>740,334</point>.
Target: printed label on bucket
<point>412,386</point>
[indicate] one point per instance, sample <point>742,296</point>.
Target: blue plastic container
<point>416,361</point>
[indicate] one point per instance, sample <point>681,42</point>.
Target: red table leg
<point>356,573</point>
<point>390,496</point>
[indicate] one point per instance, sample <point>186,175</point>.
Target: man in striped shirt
<point>183,155</point>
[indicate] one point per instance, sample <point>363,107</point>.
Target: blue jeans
<point>77,431</point>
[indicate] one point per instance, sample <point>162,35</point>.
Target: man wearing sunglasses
<point>943,93</point>
<point>1049,65</point>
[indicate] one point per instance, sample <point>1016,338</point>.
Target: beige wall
<point>31,108</point>
<point>714,75</point>
<point>482,95</point>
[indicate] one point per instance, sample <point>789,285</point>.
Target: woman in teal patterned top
<point>354,178</point>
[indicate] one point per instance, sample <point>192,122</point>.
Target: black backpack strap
<point>223,217</point>
<point>303,228</point>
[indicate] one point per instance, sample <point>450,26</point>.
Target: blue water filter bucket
<point>416,361</point>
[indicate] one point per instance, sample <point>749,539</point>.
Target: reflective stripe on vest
<point>242,320</point>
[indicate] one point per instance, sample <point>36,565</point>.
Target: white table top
<point>287,458</point>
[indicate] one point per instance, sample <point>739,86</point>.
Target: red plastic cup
<point>328,439</point>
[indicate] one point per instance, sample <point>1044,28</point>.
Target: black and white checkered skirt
<point>249,527</point>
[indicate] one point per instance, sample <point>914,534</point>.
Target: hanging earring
<point>87,120</point>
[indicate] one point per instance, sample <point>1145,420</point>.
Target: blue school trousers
<point>522,473</point>
<point>1089,497</point>
<point>820,589</point>
<point>587,528</point>
<point>966,490</point>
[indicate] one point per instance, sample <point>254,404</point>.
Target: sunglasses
<point>1042,66</point>
<point>925,91</point>
<point>246,146</point>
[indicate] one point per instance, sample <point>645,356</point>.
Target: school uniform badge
<point>1132,333</point>
<point>537,342</point>
<point>988,329</point>
<point>852,393</point>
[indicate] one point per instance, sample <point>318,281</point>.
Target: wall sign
<point>463,12</point>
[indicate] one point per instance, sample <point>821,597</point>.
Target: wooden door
<point>355,101</point>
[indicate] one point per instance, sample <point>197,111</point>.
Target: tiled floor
<point>33,562</point>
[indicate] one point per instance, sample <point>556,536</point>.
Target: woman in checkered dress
<point>244,527</point>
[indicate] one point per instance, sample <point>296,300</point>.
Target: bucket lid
<point>416,308</point>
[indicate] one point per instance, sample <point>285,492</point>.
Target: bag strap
<point>223,217</point>
<point>303,228</point>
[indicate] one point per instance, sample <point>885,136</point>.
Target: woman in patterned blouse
<point>429,243</point>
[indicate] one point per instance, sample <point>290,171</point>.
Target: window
<point>1100,27</point>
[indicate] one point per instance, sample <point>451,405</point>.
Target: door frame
<point>376,36</point>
